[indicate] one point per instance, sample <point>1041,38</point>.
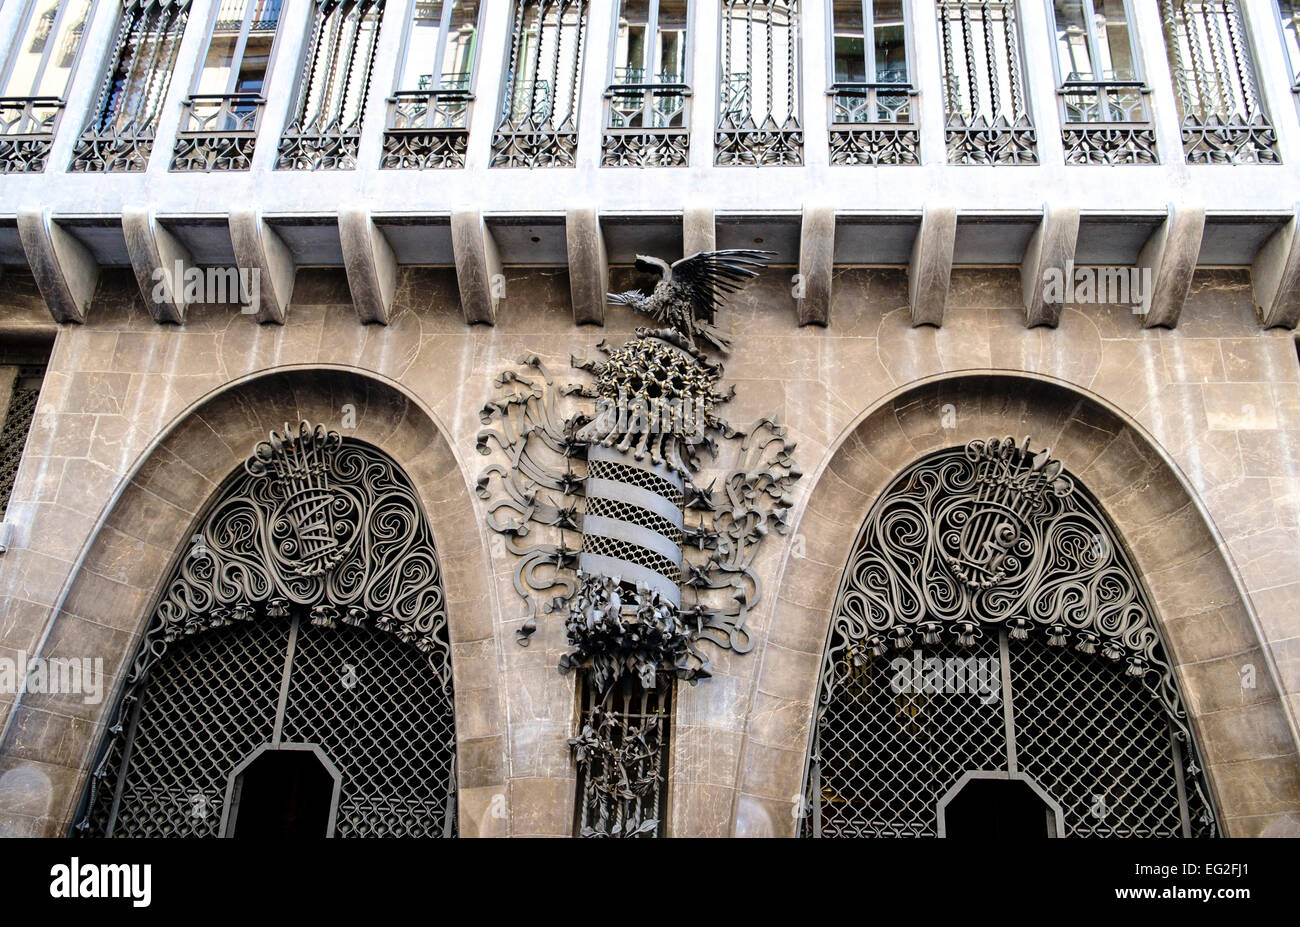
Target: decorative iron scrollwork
<point>990,553</point>
<point>661,564</point>
<point>875,145</point>
<point>323,532</point>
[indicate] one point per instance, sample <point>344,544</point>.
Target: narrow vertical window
<point>539,101</point>
<point>36,82</point>
<point>1104,114</point>
<point>872,116</point>
<point>428,116</point>
<point>646,104</point>
<point>1289,14</point>
<point>124,119</point>
<point>622,754</point>
<point>1224,120</point>
<point>20,387</point>
<point>758,112</point>
<point>985,104</point>
<point>221,116</point>
<point>324,130</point>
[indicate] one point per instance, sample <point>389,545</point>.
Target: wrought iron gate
<point>989,622</point>
<point>307,610</point>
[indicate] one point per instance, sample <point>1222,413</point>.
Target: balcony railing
<point>427,129</point>
<point>1107,122</point>
<point>27,127</point>
<point>873,123</point>
<point>114,148</point>
<point>646,124</point>
<point>218,132</point>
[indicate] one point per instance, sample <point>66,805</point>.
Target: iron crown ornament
<point>643,561</point>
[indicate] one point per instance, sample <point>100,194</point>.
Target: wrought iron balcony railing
<point>646,124</point>
<point>218,132</point>
<point>113,148</point>
<point>873,123</point>
<point>1107,122</point>
<point>427,129</point>
<point>27,127</point>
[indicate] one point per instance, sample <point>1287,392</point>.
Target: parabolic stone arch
<point>149,524</point>
<point>1248,740</point>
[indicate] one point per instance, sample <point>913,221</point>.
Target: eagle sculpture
<point>686,298</point>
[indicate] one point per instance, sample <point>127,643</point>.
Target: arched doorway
<point>990,625</point>
<point>305,614</point>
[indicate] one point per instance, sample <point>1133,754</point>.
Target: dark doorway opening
<point>283,795</point>
<point>998,809</point>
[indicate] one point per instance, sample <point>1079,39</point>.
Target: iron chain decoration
<point>611,529</point>
<point>314,525</point>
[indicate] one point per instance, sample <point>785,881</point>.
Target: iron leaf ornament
<point>603,505</point>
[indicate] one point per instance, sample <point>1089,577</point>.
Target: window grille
<point>622,753</point>
<point>324,130</point>
<point>647,112</point>
<point>220,118</point>
<point>428,116</point>
<point>871,92</point>
<point>538,126</point>
<point>36,80</point>
<point>758,111</point>
<point>990,622</point>
<point>985,104</point>
<point>1223,114</point>
<point>17,423</point>
<point>1103,98</point>
<point>306,609</point>
<point>124,119</point>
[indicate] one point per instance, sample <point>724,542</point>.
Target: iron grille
<point>990,622</point>
<point>307,609</point>
<point>17,423</point>
<point>120,135</point>
<point>1224,119</point>
<point>988,118</point>
<point>374,705</point>
<point>622,753</point>
<point>759,117</point>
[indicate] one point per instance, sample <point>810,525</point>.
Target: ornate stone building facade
<point>818,591</point>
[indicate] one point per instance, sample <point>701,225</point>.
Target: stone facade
<point>1189,437</point>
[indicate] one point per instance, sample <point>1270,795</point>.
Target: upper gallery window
<point>1223,114</point>
<point>120,132</point>
<point>1100,81</point>
<point>219,124</point>
<point>324,130</point>
<point>1289,14</point>
<point>539,100</point>
<point>758,111</point>
<point>35,79</point>
<point>428,115</point>
<point>646,111</point>
<point>872,120</point>
<point>985,102</point>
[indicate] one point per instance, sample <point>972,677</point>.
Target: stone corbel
<point>259,247</point>
<point>588,265</point>
<point>1050,249</point>
<point>370,264</point>
<point>66,272</point>
<point>1275,276</point>
<point>478,267</point>
<point>160,263</point>
<point>929,272</point>
<point>816,263</point>
<point>1170,256</point>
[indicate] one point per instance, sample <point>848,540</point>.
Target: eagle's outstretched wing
<point>710,276</point>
